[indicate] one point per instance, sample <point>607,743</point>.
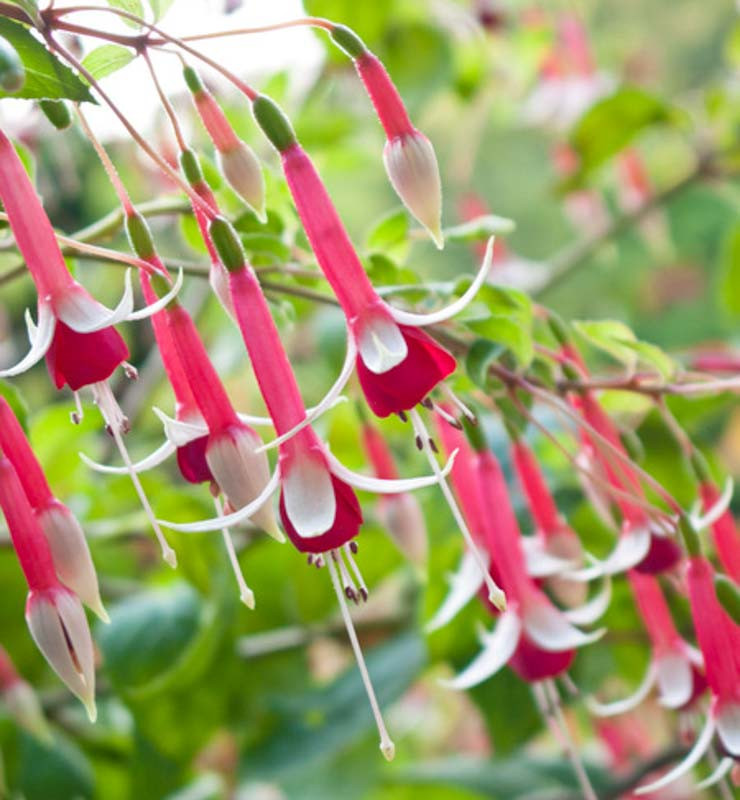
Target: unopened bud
<point>227,244</point>
<point>57,112</point>
<point>558,329</point>
<point>59,628</point>
<point>218,277</point>
<point>689,535</point>
<point>191,167</point>
<point>139,235</point>
<point>728,594</point>
<point>243,171</point>
<point>402,517</point>
<point>24,707</point>
<point>12,72</point>
<point>348,40</point>
<point>195,84</point>
<point>411,165</point>
<point>242,473</point>
<point>71,555</point>
<point>275,125</point>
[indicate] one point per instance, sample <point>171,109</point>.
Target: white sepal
<point>162,453</point>
<point>40,338</point>
<point>712,514</point>
<point>724,766</point>
<point>631,548</point>
<point>675,680</point>
<point>158,305</point>
<point>498,647</point>
<point>243,171</point>
<point>728,727</point>
<point>540,563</point>
<point>380,343</point>
<point>178,432</point>
<point>596,607</point>
<point>464,585</point>
<point>628,703</point>
<point>387,485</point>
<point>701,745</point>
<point>77,309</point>
<point>452,310</point>
<point>228,520</point>
<point>308,495</point>
<point>549,629</point>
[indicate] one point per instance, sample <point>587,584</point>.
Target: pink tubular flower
<point>675,666</point>
<point>725,532</point>
<point>21,700</point>
<point>397,364</point>
<point>54,613</point>
<point>69,550</point>
<point>408,155</point>
<point>536,639</point>
<point>719,640</point>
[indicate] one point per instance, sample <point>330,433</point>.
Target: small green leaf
<point>481,355</point>
<point>652,356</point>
<point>107,59</point>
<point>390,230</point>
<point>46,76</point>
<point>132,7</point>
<point>479,228</point>
<point>160,8</point>
<point>611,336</point>
<point>730,271</point>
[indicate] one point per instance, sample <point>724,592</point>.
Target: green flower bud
<point>274,123</point>
<point>348,40</point>
<point>191,167</point>
<point>139,235</point>
<point>689,535</point>
<point>728,594</point>
<point>12,72</point>
<point>57,112</point>
<point>227,244</point>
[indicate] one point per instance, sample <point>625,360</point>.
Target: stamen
<point>117,424</point>
<point>495,593</point>
<point>78,415</point>
<point>446,416</point>
<point>427,403</point>
<point>419,443</point>
<point>387,748</point>
<point>246,595</point>
<point>348,551</point>
<point>459,403</point>
<point>319,561</point>
<point>402,416</point>
<point>350,590</point>
<point>433,445</point>
<point>130,371</point>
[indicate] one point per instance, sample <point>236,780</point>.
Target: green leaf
<point>160,8</point>
<point>730,271</point>
<point>614,122</point>
<point>392,229</point>
<point>481,355</point>
<point>612,337</point>
<point>16,402</point>
<point>479,228</point>
<point>652,356</point>
<point>132,7</point>
<point>46,76</point>
<point>54,772</point>
<point>107,59</point>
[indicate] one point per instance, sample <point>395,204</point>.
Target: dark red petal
<point>191,459</point>
<point>531,663</point>
<point>79,359</point>
<point>346,525</point>
<point>664,553</point>
<point>401,388</point>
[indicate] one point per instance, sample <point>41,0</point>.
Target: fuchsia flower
<point>21,700</point>
<point>719,640</point>
<point>675,666</point>
<point>53,612</point>
<point>408,155</point>
<point>69,550</point>
<point>536,639</point>
<point>725,532</point>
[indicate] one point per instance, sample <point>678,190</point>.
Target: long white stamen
<point>350,590</point>
<point>445,415</point>
<point>355,569</point>
<point>78,415</point>
<point>117,423</point>
<point>495,593</point>
<point>246,595</point>
<point>387,748</point>
<point>565,741</point>
<point>458,402</point>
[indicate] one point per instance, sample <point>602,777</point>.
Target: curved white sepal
<point>227,520</point>
<point>596,607</point>
<point>701,745</point>
<point>84,314</point>
<point>728,728</point>
<point>180,433</point>
<point>40,338</point>
<point>628,703</point>
<point>675,680</point>
<point>548,628</point>
<point>540,564</point>
<point>724,766</point>
<point>694,655</point>
<point>385,485</point>
<point>158,305</point>
<point>162,453</point>
<point>308,495</point>
<point>499,646</point>
<point>712,514</point>
<point>380,343</point>
<point>409,318</point>
<point>464,585</point>
<point>631,548</point>
<point>330,399</point>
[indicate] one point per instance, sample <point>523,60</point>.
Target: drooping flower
<point>408,155</point>
<point>21,700</point>
<point>53,612</point>
<point>69,549</point>
<point>724,530</point>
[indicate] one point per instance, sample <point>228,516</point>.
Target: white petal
<point>162,453</point>
<point>631,548</point>
<point>40,343</point>
<point>85,315</point>
<point>498,648</point>
<point>724,766</point>
<point>180,433</point>
<point>227,520</point>
<point>549,629</point>
<point>380,343</point>
<point>712,514</point>
<point>308,495</point>
<point>628,703</point>
<point>330,399</point>
<point>591,611</point>
<point>540,563</point>
<point>261,422</point>
<point>697,751</point>
<point>728,727</point>
<point>158,305</point>
<point>675,680</point>
<point>464,585</point>
<point>386,485</point>
<point>409,318</point>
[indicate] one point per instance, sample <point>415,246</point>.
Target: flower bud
<point>71,555</point>
<point>275,125</point>
<point>24,707</point>
<point>59,628</point>
<point>728,594</point>
<point>139,235</point>
<point>227,243</point>
<point>401,515</point>
<point>242,473</point>
<point>12,73</point>
<point>412,168</point>
<point>243,171</point>
<point>57,112</point>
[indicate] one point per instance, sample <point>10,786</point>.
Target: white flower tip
<point>498,598</point>
<point>437,237</point>
<point>169,556</point>
<point>90,707</point>
<point>99,610</point>
<point>247,597</point>
<point>388,749</point>
<point>261,214</point>
<point>243,171</point>
<point>275,533</point>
